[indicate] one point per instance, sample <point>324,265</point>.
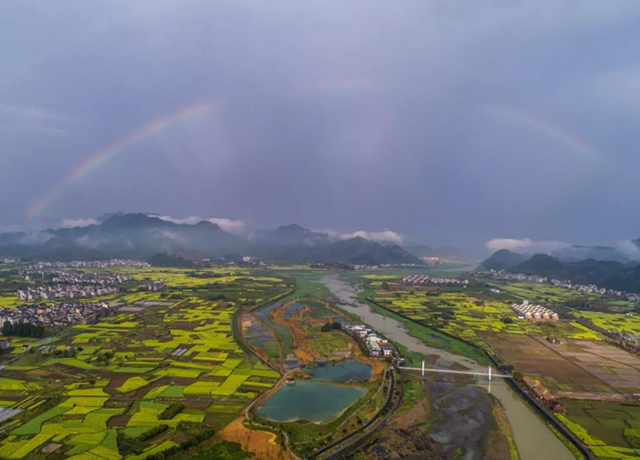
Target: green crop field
<point>625,324</point>
<point>552,295</point>
<point>470,316</point>
<point>101,387</point>
<point>611,430</point>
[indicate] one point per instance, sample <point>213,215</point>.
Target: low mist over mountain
<point>145,236</point>
<point>576,253</point>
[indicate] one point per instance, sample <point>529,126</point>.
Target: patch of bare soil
<point>262,444</point>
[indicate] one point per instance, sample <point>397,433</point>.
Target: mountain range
<point>144,236</point>
<point>603,273</point>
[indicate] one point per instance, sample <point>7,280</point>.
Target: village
<point>426,279</point>
<point>75,285</point>
<point>55,315</point>
<point>63,291</point>
<point>109,263</point>
<point>587,288</point>
<point>63,276</point>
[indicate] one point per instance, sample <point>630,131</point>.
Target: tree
<point>22,329</point>
<point>7,328</point>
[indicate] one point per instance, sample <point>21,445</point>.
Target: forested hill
<point>145,236</point>
<point>607,274</point>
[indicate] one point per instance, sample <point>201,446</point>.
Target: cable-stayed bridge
<point>428,367</point>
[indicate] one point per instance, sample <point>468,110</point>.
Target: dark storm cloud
<point>342,115</point>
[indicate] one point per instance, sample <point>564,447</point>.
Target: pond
<point>342,372</point>
<point>292,309</point>
<point>313,401</point>
<point>256,333</point>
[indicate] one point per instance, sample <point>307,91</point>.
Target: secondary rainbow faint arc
<point>100,157</point>
<point>558,134</point>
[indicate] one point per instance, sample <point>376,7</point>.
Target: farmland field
<point>552,295</point>
<point>611,429</point>
<point>473,316</point>
<point>101,391</point>
<point>168,369</point>
<point>596,381</point>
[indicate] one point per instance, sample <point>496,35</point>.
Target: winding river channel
<point>533,438</point>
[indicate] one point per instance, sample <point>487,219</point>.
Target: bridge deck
<point>451,371</point>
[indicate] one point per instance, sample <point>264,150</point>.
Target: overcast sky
<point>446,121</point>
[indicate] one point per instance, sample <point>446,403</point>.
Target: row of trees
<point>169,412</point>
<point>199,435</point>
<point>22,329</point>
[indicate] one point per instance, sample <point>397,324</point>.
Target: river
<point>532,436</point>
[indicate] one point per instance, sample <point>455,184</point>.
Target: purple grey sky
<point>447,121</point>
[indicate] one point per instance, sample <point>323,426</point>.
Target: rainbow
<point>553,132</point>
<point>100,157</point>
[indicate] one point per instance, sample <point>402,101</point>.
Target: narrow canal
<point>532,436</point>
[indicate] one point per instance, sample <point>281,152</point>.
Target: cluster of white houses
<point>56,314</point>
<point>588,288</point>
<point>91,264</point>
<point>79,285</point>
<point>153,285</point>
<point>532,312</point>
<point>426,279</point>
<point>378,347</point>
<point>376,267</point>
<point>72,277</point>
<point>63,291</point>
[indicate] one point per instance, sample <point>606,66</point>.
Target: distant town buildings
<point>426,279</point>
<point>431,260</point>
<point>102,279</point>
<point>63,291</point>
<point>91,264</point>
<point>75,285</point>
<point>532,312</point>
<point>376,267</point>
<point>587,288</point>
<point>56,314</point>
<point>253,260</point>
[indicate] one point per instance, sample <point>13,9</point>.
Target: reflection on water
<point>314,401</point>
<point>533,438</point>
<point>342,372</point>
